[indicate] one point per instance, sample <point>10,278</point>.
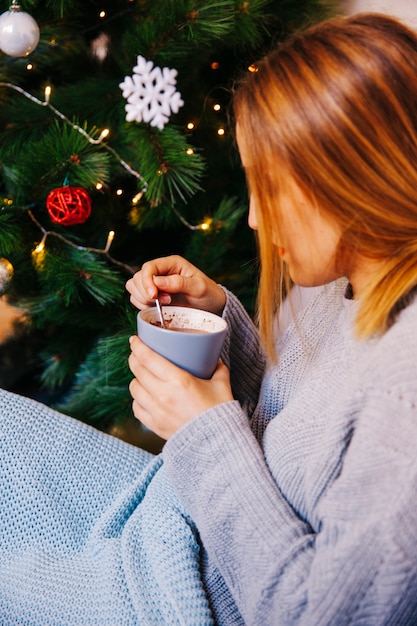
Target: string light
<point>109,241</point>
<point>215,65</point>
<point>119,192</point>
<point>206,225</point>
<point>41,245</point>
<point>48,91</point>
<point>54,43</point>
<point>104,133</point>
<point>137,198</point>
<point>252,68</point>
<point>40,248</point>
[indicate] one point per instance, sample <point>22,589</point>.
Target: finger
<point>142,285</point>
<point>174,283</point>
<point>146,359</point>
<point>140,292</point>
<point>165,266</point>
<point>138,405</point>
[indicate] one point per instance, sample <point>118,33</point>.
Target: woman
<point>286,491</point>
<point>306,504</point>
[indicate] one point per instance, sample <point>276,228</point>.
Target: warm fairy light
<point>41,245</point>
<point>99,186</point>
<point>38,256</point>
<point>29,66</point>
<point>206,224</point>
<point>52,42</point>
<point>189,151</point>
<point>252,68</point>
<point>110,238</point>
<point>220,132</point>
<point>190,125</point>
<point>216,107</point>
<point>104,133</point>
<point>137,198</point>
<point>102,14</point>
<point>48,90</point>
<point>119,192</point>
<point>79,129</point>
<point>215,65</point>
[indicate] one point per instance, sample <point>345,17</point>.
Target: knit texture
<point>307,507</point>
<point>303,490</point>
<point>90,530</point>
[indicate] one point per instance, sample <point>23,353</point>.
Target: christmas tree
<point>116,147</point>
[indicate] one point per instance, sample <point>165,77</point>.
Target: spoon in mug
<point>161,317</point>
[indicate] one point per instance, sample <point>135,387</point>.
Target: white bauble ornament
<point>19,32</point>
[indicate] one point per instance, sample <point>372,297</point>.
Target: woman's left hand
<point>165,397</point>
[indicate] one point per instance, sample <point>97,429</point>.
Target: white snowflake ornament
<point>151,94</point>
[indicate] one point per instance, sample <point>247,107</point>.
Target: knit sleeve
<point>357,567</point>
<point>242,354</point>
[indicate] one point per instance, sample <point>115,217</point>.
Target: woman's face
<point>305,238</point>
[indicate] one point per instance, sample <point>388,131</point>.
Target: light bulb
<point>19,32</point>
<point>110,238</point>
<point>104,133</point>
<point>137,197</point>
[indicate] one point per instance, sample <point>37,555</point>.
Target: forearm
<point>279,569</point>
<point>218,469</point>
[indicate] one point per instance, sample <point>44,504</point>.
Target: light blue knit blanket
<point>90,529</point>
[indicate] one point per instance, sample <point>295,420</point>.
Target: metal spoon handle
<point>161,317</point>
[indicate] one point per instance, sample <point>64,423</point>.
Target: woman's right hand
<point>176,281</point>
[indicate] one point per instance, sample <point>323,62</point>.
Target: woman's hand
<point>165,397</point>
<point>177,282</point>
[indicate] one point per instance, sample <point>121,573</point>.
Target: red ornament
<point>68,205</point>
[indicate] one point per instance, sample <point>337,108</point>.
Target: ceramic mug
<point>193,339</point>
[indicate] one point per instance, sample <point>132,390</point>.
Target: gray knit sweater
<point>307,507</point>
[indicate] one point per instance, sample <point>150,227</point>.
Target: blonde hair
<point>336,107</point>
